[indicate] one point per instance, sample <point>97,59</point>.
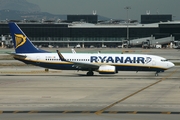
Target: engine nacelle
<point>107,69</point>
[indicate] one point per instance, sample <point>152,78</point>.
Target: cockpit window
<point>164,60</point>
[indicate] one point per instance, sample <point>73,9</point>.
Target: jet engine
<point>107,69</point>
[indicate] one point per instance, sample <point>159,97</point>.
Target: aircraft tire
<point>90,73</point>
<point>156,74</point>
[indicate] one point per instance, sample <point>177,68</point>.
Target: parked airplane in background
<point>73,51</point>
<point>26,52</point>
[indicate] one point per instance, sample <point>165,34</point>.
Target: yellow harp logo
<point>20,40</point>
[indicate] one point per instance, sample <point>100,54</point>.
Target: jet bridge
<point>135,42</point>
<point>147,42</point>
<point>154,42</point>
<point>176,45</point>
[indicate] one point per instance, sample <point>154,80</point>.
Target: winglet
<point>60,56</point>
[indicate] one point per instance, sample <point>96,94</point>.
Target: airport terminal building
<point>87,31</point>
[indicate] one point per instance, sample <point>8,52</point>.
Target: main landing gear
<point>90,73</point>
<point>157,73</point>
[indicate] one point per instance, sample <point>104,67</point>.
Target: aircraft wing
<point>79,65</point>
<point>17,55</point>
<point>82,65</point>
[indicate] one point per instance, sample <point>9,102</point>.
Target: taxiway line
<point>92,112</point>
<point>117,102</point>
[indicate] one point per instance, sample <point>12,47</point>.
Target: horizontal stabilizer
<point>19,56</point>
<point>16,55</point>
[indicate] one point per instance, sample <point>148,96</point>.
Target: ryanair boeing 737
<point>26,52</point>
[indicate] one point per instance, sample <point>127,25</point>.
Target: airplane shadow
<point>60,75</point>
<point>73,75</point>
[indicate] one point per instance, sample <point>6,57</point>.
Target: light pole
<point>127,8</point>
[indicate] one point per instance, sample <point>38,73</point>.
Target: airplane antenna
<point>157,11</point>
<point>94,12</point>
<point>148,12</point>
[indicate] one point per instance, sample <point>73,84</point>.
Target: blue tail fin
<point>22,44</point>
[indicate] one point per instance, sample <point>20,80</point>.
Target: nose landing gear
<point>157,73</point>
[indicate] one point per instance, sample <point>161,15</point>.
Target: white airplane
<point>26,52</point>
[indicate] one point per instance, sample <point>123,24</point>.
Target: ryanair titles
<point>116,59</point>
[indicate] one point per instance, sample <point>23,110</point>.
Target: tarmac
<point>28,92</point>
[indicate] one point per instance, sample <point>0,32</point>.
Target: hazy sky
<point>110,8</point>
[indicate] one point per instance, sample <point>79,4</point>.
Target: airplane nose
<point>171,65</point>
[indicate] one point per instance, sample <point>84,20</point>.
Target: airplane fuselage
<point>122,62</point>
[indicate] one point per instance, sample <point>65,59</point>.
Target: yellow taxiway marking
<point>90,112</point>
<point>86,112</point>
<point>15,111</point>
<point>134,112</point>
<point>113,104</point>
<point>33,112</point>
<point>67,111</point>
<point>166,112</point>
